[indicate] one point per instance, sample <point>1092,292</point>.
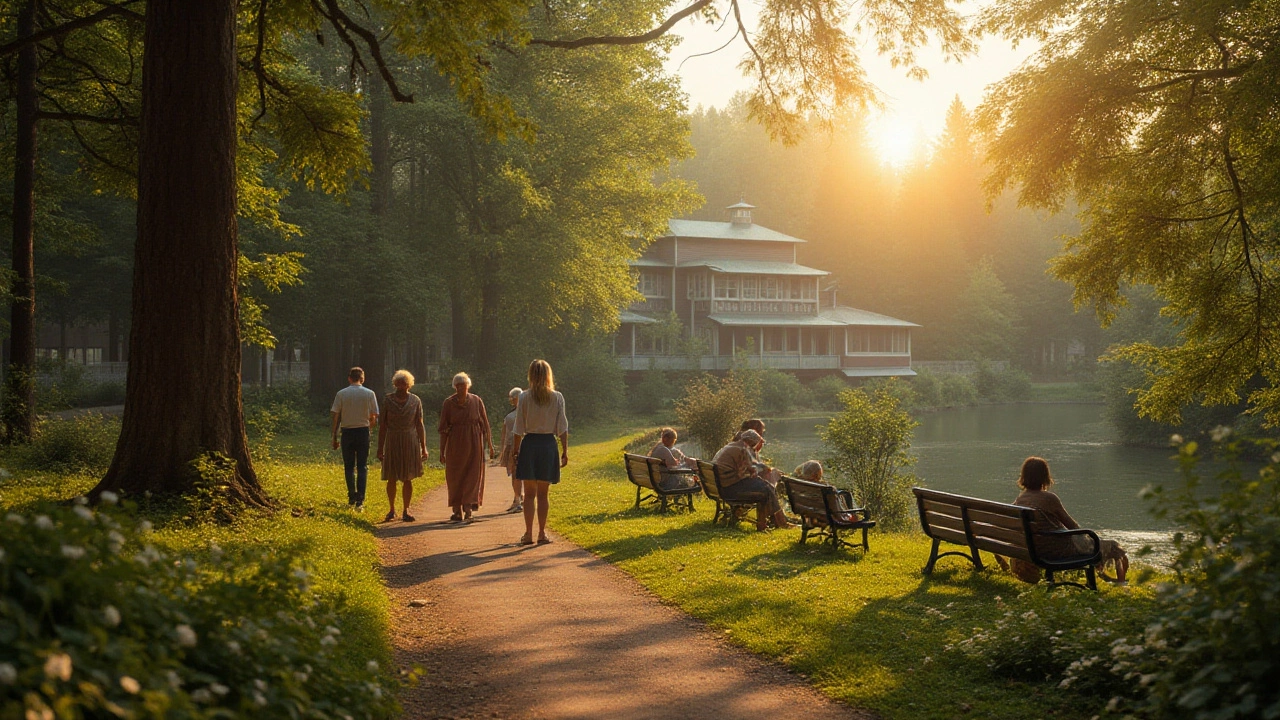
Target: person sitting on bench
<point>741,481</point>
<point>1035,481</point>
<point>769,474</point>
<point>673,459</point>
<point>812,471</point>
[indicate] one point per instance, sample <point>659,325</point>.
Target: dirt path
<point>554,632</point>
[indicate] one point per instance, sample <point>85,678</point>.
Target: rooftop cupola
<point>740,213</point>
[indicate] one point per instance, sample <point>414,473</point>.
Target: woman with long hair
<point>464,436</point>
<point>540,420</point>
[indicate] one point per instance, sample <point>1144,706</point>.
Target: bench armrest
<point>1097,542</point>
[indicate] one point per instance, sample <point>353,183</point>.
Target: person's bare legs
<point>543,490</point>
<point>391,498</point>
<point>457,511</point>
<point>530,492</point>
<point>408,498</point>
<point>517,491</point>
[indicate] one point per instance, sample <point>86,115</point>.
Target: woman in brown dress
<point>402,441</point>
<point>464,438</point>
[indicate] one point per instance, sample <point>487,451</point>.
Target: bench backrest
<point>640,470</point>
<point>807,498</point>
<point>710,480</point>
<point>983,524</point>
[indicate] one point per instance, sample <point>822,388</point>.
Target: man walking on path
<point>354,411</point>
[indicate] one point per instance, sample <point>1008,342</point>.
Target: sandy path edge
<point>554,632</point>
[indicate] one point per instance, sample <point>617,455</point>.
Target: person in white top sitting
<point>673,459</point>
<point>354,412</point>
<point>540,420</point>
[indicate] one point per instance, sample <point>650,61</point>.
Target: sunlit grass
<point>869,630</point>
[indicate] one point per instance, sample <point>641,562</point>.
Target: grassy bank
<point>869,630</point>
<point>312,527</point>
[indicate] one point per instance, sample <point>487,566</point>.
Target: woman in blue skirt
<point>540,419</point>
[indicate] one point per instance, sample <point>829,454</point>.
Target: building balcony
<point>724,362</point>
<point>651,305</point>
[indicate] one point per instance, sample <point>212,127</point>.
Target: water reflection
<point>978,450</point>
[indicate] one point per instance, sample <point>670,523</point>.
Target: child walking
<point>507,457</point>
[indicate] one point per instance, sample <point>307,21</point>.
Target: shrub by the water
<point>97,622</point>
<point>826,392</point>
<point>1002,385</point>
<point>782,392</point>
<point>712,410</point>
<point>81,444</point>
<point>866,449</point>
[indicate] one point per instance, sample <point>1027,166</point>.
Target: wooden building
<point>736,288</point>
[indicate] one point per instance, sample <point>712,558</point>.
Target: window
<point>877,340</point>
<point>809,289</point>
<point>653,284</point>
<point>775,340</point>
<point>797,287</point>
<point>750,287</point>
<point>697,286</point>
<point>647,344</point>
<point>769,289</point>
<point>93,356</point>
<point>727,287</point>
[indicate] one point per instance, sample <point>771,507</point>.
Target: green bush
<point>652,394</point>
<point>956,391</point>
<point>592,383</point>
<point>826,392</point>
<point>781,392</point>
<point>904,391</point>
<point>96,622</point>
<point>712,411</point>
<point>928,389</point>
<point>866,448</point>
<point>81,444</point>
<point>1002,385</point>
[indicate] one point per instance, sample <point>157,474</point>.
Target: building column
<point>633,346</point>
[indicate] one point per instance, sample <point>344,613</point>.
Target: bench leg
<point>637,497</point>
<point>977,558</point>
<point>1090,579</point>
<point>933,557</point>
<point>865,546</point>
<point>804,531</point>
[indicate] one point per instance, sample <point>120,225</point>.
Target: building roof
<point>878,372</point>
<point>853,316</point>
<point>741,205</point>
<point>635,318</point>
<point>736,319</point>
<point>755,267</point>
<point>725,231</point>
<point>649,262</point>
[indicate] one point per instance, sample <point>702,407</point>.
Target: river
<point>977,451</point>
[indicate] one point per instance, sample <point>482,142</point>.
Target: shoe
<point>455,518</point>
<point>407,517</point>
<point>390,516</point>
<point>544,540</point>
<point>359,507</point>
<point>515,507</point>
<point>526,540</point>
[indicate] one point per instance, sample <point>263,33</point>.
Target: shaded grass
<point>866,629</point>
<point>311,524</point>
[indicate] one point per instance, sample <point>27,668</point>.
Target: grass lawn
<point>869,630</point>
<point>312,525</point>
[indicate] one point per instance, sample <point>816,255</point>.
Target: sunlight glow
<point>896,139</point>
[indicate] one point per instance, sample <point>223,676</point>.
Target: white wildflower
<point>111,616</point>
<point>8,674</point>
<point>1220,433</point>
<point>1275,458</point>
<point>109,497</point>
<point>129,685</point>
<point>1113,704</point>
<point>371,666</point>
<point>4,473</point>
<point>219,689</point>
<point>58,666</point>
<point>83,512</point>
<point>259,699</point>
<point>1145,680</point>
<point>215,551</point>
<point>300,574</point>
<point>260,684</point>
<point>115,541</point>
<point>145,526</point>
<point>202,695</point>
<point>15,518</point>
<point>331,630</point>
<point>328,640</point>
<point>234,647</point>
<point>1175,439</point>
<point>185,635</point>
<point>300,676</point>
<point>80,500</point>
<point>43,522</point>
<point>74,552</point>
<point>1029,615</point>
<point>147,556</point>
<point>173,679</point>
<point>1065,684</point>
<point>376,690</point>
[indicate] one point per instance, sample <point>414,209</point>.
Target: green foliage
<point>80,444</point>
<point>654,392</point>
<point>781,392</point>
<point>99,622</point>
<point>986,325</point>
<point>712,410</point>
<point>944,390</point>
<point>866,448</point>
<point>1158,118</point>
<point>592,384</point>
<point>65,385</point>
<point>826,392</point>
<point>1002,385</point>
<point>902,390</point>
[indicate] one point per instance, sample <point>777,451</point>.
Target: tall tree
<point>20,385</point>
<point>1160,118</point>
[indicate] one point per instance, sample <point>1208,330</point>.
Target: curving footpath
<point>551,632</point>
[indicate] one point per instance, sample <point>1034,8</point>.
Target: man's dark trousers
<point>355,461</point>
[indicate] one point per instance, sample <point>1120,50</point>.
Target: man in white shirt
<point>354,412</point>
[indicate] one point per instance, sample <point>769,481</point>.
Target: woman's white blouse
<point>535,419</point>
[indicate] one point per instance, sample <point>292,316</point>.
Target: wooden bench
<point>709,475</point>
<point>646,473</point>
<point>826,512</point>
<point>997,528</point>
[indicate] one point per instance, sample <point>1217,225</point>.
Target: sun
<point>894,139</point>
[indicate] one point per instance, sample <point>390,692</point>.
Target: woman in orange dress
<point>464,438</point>
<point>402,442</point>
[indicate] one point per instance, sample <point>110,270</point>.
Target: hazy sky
<point>915,110</point>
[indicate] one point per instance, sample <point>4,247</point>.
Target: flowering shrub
<point>81,444</point>
<point>97,622</point>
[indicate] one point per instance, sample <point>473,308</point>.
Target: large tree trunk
<point>20,376</point>
<point>183,395</point>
